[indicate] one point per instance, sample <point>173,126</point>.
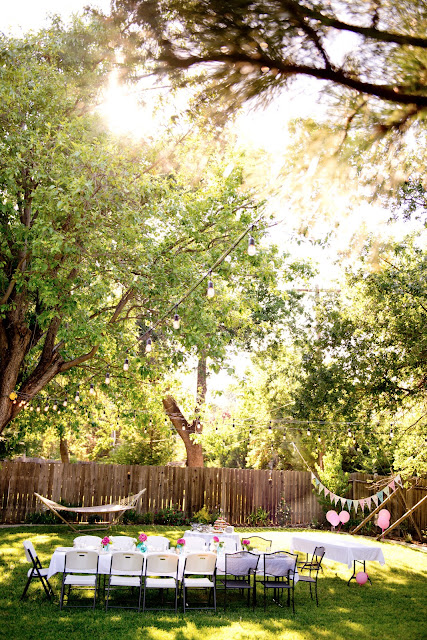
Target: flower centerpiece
<point>180,543</point>
<point>245,544</point>
<point>106,541</point>
<point>142,539</point>
<point>221,545</point>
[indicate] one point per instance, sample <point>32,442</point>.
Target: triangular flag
<point>362,503</point>
<point>380,495</point>
<point>392,485</point>
<point>375,499</point>
<point>398,480</point>
<point>386,490</point>
<point>369,502</point>
<point>336,499</point>
<point>355,504</point>
<point>342,501</point>
<point>349,503</point>
<point>327,492</point>
<point>320,487</point>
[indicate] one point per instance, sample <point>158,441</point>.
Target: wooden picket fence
<point>237,492</point>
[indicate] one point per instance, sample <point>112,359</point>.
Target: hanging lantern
<point>251,247</point>
<point>148,345</point>
<point>126,364</point>
<point>107,378</point>
<point>176,321</point>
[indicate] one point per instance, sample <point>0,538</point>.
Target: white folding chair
<point>157,543</point>
<point>88,542</point>
<point>199,573</point>
<point>161,572</point>
<point>80,572</point>
<point>125,571</point>
<point>36,570</point>
<point>195,543</point>
<point>122,543</point>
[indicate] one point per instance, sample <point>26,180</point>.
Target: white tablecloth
<point>208,537</point>
<point>338,548</point>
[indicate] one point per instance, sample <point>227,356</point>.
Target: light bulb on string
<point>308,432</point>
<point>55,406</point>
<point>38,408</point>
<point>176,322</point>
<point>211,290</point>
<point>46,406</point>
<point>319,439</point>
<point>92,389</point>
<point>269,426</point>
<point>391,434</point>
<point>148,345</point>
<point>107,378</point>
<point>126,364</point>
<point>251,247</point>
<point>64,404</point>
<point>77,396</point>
<point>31,408</point>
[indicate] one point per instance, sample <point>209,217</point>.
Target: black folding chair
<point>313,567</point>
<point>36,570</point>
<point>279,573</point>
<point>240,566</point>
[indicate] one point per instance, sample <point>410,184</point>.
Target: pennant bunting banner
<point>369,502</point>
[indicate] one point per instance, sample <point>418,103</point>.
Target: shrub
<point>204,516</point>
<point>170,515</point>
<point>133,517</point>
<point>259,517</point>
<point>284,513</point>
<point>41,517</point>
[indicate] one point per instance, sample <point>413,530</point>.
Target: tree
<point>244,50</point>
<point>92,243</point>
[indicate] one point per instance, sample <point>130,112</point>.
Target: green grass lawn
<point>394,607</point>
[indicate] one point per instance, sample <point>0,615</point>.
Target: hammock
<point>119,507</point>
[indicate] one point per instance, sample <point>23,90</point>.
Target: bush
<point>170,515</point>
<point>204,516</point>
<point>133,517</point>
<point>94,518</point>
<point>284,513</point>
<point>42,517</point>
<point>259,517</point>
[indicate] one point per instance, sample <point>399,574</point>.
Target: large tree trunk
<point>64,451</point>
<point>185,429</point>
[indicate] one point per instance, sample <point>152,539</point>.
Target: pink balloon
<point>383,522</point>
<point>384,513</point>
<point>344,516</point>
<point>361,577</point>
<point>333,518</point>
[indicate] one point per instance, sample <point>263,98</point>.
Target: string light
<point>176,322</point>
<point>308,432</point>
<point>251,246</point>
<point>107,378</point>
<point>77,397</point>
<point>126,364</point>
<point>55,406</point>
<point>92,389</point>
<point>211,290</point>
<point>148,346</point>
<point>38,408</point>
<point>64,404</point>
<point>46,407</point>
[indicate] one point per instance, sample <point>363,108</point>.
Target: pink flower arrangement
<point>106,541</point>
<point>246,543</point>
<point>215,539</point>
<point>142,537</point>
<point>180,542</point>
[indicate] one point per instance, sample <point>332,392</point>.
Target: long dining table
<point>339,548</point>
